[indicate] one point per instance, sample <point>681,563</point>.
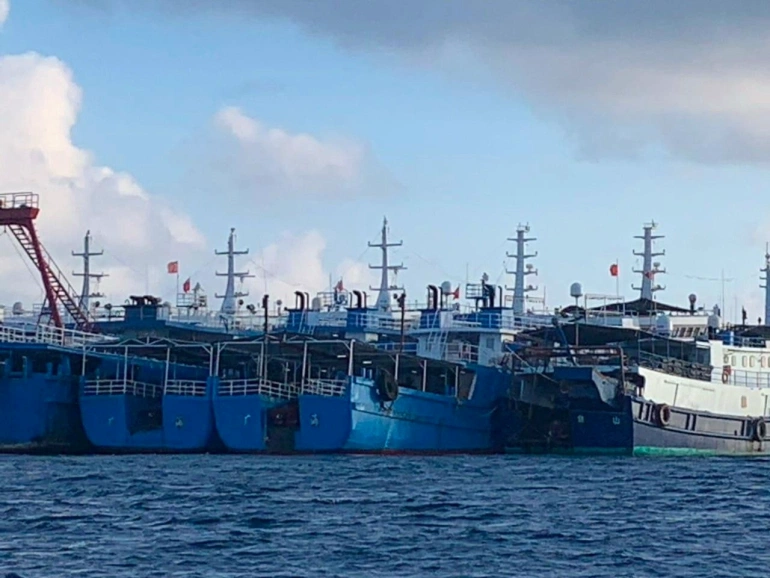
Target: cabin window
<point>761,362</point>
<point>751,361</point>
<point>490,342</point>
<point>743,402</point>
<point>732,360</point>
<point>727,359</point>
<point>743,361</point>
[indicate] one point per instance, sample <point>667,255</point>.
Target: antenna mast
<point>383,298</point>
<point>521,272</point>
<point>229,304</point>
<point>86,294</point>
<point>649,269</point>
<point>766,286</point>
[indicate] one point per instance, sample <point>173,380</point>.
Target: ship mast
<point>521,271</point>
<point>649,269</point>
<point>229,303</point>
<point>86,294</point>
<point>766,286</point>
<point>383,298</point>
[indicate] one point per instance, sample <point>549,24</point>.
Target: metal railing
<point>122,387</point>
<point>20,200</point>
<point>48,334</point>
<point>325,387</point>
<point>753,379</point>
<point>257,386</point>
<point>185,387</point>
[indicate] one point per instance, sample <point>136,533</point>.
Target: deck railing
<point>50,335</point>
<point>325,387</point>
<point>122,387</point>
<point>185,387</point>
<point>257,386</point>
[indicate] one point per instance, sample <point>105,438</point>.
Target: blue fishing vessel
<point>132,401</point>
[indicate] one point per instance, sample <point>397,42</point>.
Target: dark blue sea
<point>233,516</point>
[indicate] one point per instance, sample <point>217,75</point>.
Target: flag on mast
<point>186,286</point>
<point>614,270</point>
<point>173,267</point>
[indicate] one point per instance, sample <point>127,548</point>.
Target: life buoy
<point>759,430</point>
<point>726,371</point>
<point>387,388</point>
<point>663,414</point>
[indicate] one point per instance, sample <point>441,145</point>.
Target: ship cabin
<point>481,335</point>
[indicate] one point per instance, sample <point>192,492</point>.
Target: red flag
<point>338,287</point>
<point>173,267</point>
<point>456,293</point>
<point>186,285</point>
<point>614,269</point>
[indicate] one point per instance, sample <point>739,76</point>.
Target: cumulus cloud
<point>39,105</point>
<point>297,262</point>
<point>5,8</point>
<point>692,76</point>
<point>271,161</point>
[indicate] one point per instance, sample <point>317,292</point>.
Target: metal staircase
<point>18,212</point>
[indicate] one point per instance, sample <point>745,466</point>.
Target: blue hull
<point>39,403</point>
<point>40,413</point>
<point>242,421</point>
<point>416,422</point>
<point>130,423</point>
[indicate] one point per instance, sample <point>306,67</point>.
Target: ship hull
<point>130,423</point>
<point>245,423</point>
<point>637,430</point>
<point>360,421</point>
<point>39,404</point>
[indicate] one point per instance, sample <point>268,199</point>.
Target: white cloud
<point>5,8</point>
<point>691,77</point>
<point>39,105</point>
<point>264,161</point>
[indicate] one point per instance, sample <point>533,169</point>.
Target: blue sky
<point>464,146</point>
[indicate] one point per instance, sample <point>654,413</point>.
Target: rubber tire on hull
<point>387,388</point>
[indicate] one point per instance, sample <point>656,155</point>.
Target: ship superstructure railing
<point>751,379</point>
<point>491,320</point>
<point>257,386</point>
<point>50,335</point>
<point>122,387</point>
<point>185,387</point>
<point>543,358</point>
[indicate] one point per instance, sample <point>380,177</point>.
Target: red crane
<point>18,212</point>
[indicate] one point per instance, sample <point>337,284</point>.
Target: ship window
<point>761,361</point>
<point>743,361</point>
<point>743,402</point>
<point>727,359</point>
<point>732,360</point>
<point>751,361</point>
<point>490,342</point>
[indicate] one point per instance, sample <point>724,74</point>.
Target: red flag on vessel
<point>614,269</point>
<point>338,286</point>
<point>173,267</point>
<point>186,286</point>
<point>456,293</point>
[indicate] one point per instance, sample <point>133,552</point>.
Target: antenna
<point>649,269</point>
<point>385,288</point>
<point>86,294</point>
<point>766,286</point>
<point>521,271</point>
<point>229,305</point>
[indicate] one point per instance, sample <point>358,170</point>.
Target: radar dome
<point>316,304</point>
<point>576,290</point>
<point>714,321</point>
<point>18,308</point>
<point>446,288</point>
<point>693,298</point>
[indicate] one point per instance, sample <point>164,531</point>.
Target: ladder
<point>57,288</point>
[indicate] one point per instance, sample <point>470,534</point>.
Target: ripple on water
<point>234,516</point>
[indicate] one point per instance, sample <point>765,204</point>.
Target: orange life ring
<point>726,371</point>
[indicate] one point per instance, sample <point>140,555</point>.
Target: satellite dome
<point>576,290</point>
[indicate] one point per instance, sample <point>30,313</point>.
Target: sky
<point>159,125</point>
